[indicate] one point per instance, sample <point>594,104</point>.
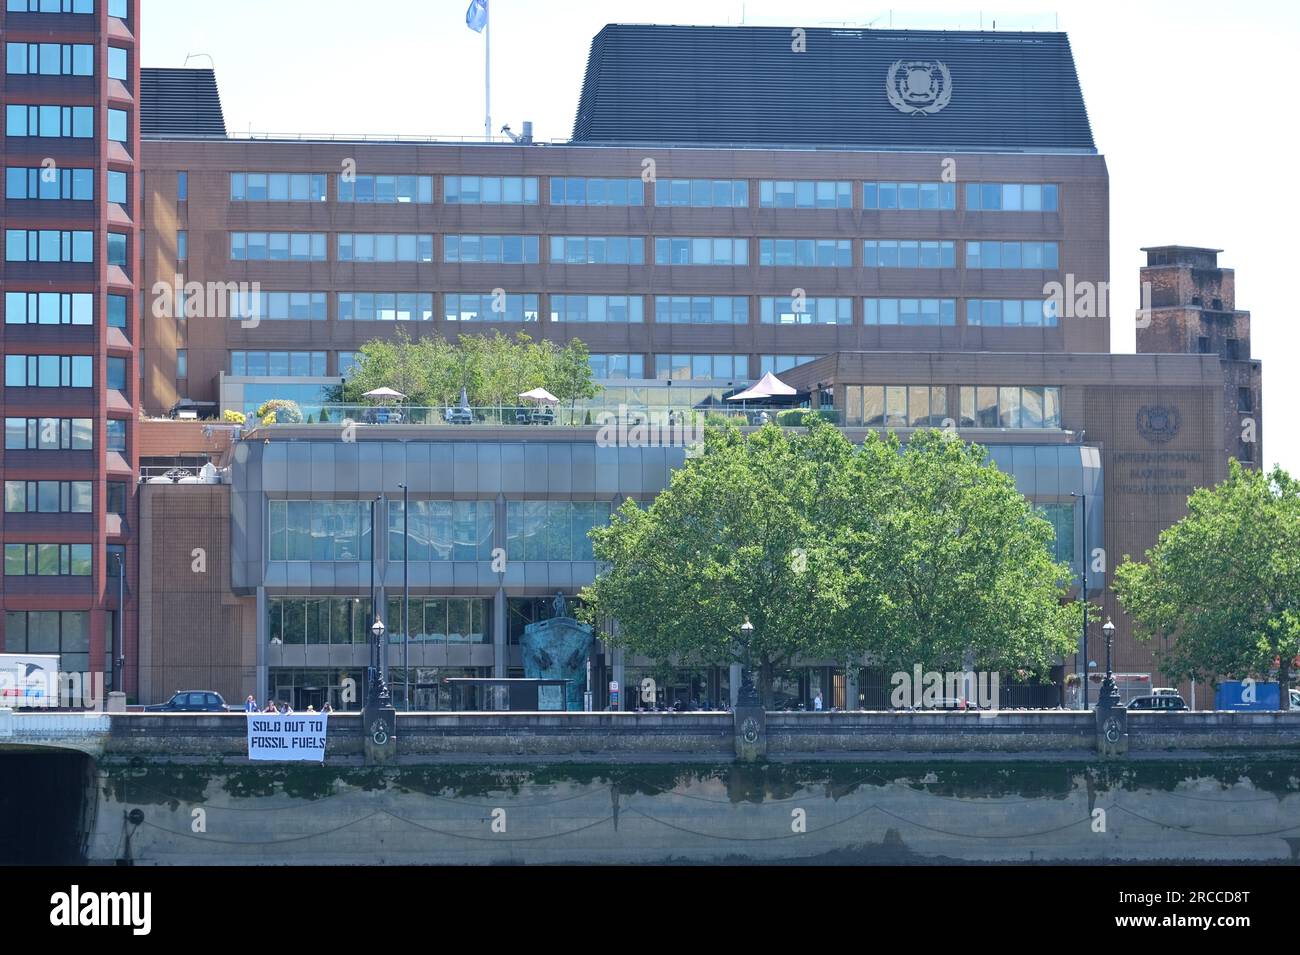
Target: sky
<point>1192,103</point>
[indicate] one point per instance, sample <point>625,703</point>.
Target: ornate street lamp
<point>748,693</point>
<point>378,695</point>
<point>1109,695</point>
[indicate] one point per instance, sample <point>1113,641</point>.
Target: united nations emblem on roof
<point>1157,423</point>
<point>918,86</point>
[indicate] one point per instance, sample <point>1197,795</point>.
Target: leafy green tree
<point>917,554</point>
<point>959,562</point>
<point>1225,581</point>
<point>732,536</point>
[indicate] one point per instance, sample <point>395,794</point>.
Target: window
<point>117,249</point>
<point>51,631</point>
<point>1203,345</point>
<point>49,308</point>
<point>1003,406</point>
<point>52,183</point>
<point>1012,255</point>
<point>489,190</point>
<point>805,194</point>
<point>118,67</point>
<point>385,306</point>
<point>51,122</point>
<point>49,434</point>
<point>347,362</point>
<point>1010,197</point>
<point>50,6</point>
<point>702,193</point>
<point>319,621</point>
<point>702,367</point>
<point>117,187</point>
<point>115,498</point>
<point>896,406</point>
<point>117,125</point>
<point>277,187</point>
<point>445,619</point>
<point>117,8</point>
<point>182,363</point>
<point>48,371</point>
<point>552,530</point>
<point>49,245</point>
<point>384,247</point>
<point>597,308</point>
<point>443,530</point>
<point>116,431</point>
<point>277,246</point>
<point>1233,349</point>
<point>701,251</point>
<point>486,307</point>
<point>786,310</point>
<point>576,191</point>
<point>280,306</point>
<point>278,364</point>
<point>320,530</point>
<point>776,364</point>
<point>50,59</point>
<point>117,376</point>
<point>182,186</point>
<point>597,250</point>
<point>1011,313</point>
<point>616,366</point>
<point>48,497</point>
<point>908,254</point>
<point>492,249</point>
<point>701,310</point>
<point>909,195</point>
<point>117,311</point>
<point>825,253</point>
<point>1061,517</point>
<point>47,560</point>
<point>385,189</point>
<point>909,311</point>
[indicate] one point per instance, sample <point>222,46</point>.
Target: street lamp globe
<point>378,628</point>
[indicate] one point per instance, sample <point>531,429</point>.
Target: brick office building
<point>878,218</point>
<point>70,215</point>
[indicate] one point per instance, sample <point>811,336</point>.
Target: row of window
<point>927,406</point>
<point>55,245</point>
<point>65,632</point>
<point>339,621</point>
<point>48,560</point>
<point>630,250</point>
<point>62,59</point>
<point>280,364</point>
<point>48,497</point>
<point>49,434</point>
<point>62,122</point>
<point>62,308</point>
<point>116,8</point>
<point>438,530</point>
<point>629,191</point>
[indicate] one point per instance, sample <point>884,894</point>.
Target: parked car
<point>191,701</point>
<point>1163,702</point>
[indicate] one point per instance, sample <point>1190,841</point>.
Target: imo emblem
<point>1157,423</point>
<point>917,87</point>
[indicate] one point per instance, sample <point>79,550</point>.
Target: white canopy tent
<point>768,386</point>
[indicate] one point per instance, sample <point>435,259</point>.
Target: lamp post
<point>118,656</point>
<point>748,693</point>
<point>1108,697</point>
<point>406,596</point>
<point>377,695</point>
<point>1083,567</point>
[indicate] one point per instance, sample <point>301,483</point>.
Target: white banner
<point>297,736</point>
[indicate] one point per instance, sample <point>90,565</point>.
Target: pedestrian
<point>270,707</point>
<point>817,701</point>
<point>250,704</point>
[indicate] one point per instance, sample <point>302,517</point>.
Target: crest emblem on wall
<point>1157,423</point>
<point>917,87</point>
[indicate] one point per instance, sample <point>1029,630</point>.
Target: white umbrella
<point>540,394</point>
<point>766,387</point>
<point>384,393</point>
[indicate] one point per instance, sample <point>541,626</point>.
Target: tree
<point>730,537</point>
<point>959,561</point>
<point>919,554</point>
<point>1225,581</point>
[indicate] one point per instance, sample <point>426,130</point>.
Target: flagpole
<point>487,74</point>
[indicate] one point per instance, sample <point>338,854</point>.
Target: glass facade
<point>909,254</point>
<point>384,247</point>
<point>824,253</point>
<point>278,187</point>
<point>1011,313</point>
<point>788,310</point>
<point>492,249</point>
<point>805,194</point>
<point>319,530</point>
<point>909,311</point>
<point>475,307</point>
<point>385,306</point>
<point>489,190</point>
<point>386,190</point>
<point>701,310</point>
<point>702,193</point>
<point>1012,255</point>
<point>318,620</point>
<point>442,620</point>
<point>579,191</point>
<point>552,530</point>
<point>909,195</point>
<point>1010,197</point>
<point>625,309</point>
<point>443,530</point>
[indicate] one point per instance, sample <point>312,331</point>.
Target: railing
<point>741,413</point>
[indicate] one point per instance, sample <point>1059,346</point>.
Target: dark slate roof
<point>180,103</point>
<point>745,86</point>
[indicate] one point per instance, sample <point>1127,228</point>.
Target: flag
<point>476,16</point>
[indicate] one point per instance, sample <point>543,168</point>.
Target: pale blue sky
<point>1192,103</point>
